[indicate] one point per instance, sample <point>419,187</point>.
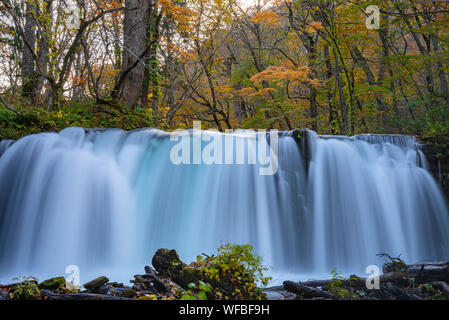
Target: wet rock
<point>167,263</point>
<point>122,292</point>
<point>116,285</point>
<point>104,289</point>
<point>96,283</point>
<point>149,270</point>
<point>4,296</point>
<point>137,286</point>
<point>149,282</point>
<point>279,293</point>
<point>169,266</point>
<point>53,284</point>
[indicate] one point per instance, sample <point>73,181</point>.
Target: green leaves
<point>233,274</point>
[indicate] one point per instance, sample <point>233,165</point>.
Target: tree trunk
<point>28,75</point>
<point>134,47</point>
<point>43,49</point>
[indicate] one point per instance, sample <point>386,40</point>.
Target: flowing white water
<point>106,200</point>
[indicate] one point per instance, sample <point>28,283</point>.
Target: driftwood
<point>158,284</point>
<point>399,293</point>
<point>429,272</point>
<point>399,278</point>
<point>49,295</point>
<point>307,292</point>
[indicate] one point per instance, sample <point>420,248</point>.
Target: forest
<point>281,64</point>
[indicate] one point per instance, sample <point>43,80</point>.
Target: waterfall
<point>105,200</point>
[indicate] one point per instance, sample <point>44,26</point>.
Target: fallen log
<point>158,284</point>
<point>399,278</point>
<point>401,293</point>
<point>49,295</point>
<point>429,272</point>
<point>307,292</point>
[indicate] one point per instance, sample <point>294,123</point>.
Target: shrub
<point>26,290</point>
<point>233,274</point>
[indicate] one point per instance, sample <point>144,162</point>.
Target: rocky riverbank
<point>172,279</point>
<point>427,281</point>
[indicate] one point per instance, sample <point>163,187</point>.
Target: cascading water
<point>105,200</point>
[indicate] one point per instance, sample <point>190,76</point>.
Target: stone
<point>149,270</point>
<point>167,263</point>
<point>103,289</point>
<point>122,292</point>
<point>4,296</point>
<point>53,284</point>
<point>96,283</point>
<point>116,284</point>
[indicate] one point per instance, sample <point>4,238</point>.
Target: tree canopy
<point>253,64</point>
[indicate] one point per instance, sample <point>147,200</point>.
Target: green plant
<point>393,264</point>
<point>336,285</point>
<point>200,291</point>
<point>234,274</point>
<point>26,290</point>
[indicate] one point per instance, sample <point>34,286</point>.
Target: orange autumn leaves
<point>278,76</point>
<point>267,17</point>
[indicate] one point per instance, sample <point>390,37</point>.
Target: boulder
<point>53,284</point>
<point>122,292</point>
<point>96,283</point>
<point>167,263</point>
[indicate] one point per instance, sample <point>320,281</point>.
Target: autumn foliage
<point>253,64</point>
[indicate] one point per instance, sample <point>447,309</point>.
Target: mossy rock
<point>96,283</point>
<point>167,263</point>
<point>53,284</point>
<point>128,293</point>
<point>146,298</point>
<point>124,293</point>
<point>188,275</point>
